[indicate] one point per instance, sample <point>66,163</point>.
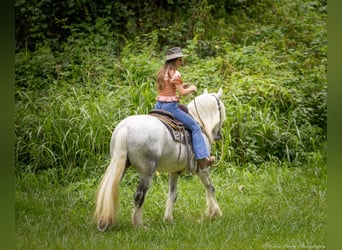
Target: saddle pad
<point>177,129</point>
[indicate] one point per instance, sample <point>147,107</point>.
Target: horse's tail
<point>107,202</point>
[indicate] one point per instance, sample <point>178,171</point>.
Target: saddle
<point>177,129</point>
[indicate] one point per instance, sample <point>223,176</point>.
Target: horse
<point>144,142</point>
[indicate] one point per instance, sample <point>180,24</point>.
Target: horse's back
<point>142,127</point>
<point>149,142</point>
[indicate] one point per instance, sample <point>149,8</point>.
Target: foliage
<point>38,22</point>
<point>273,75</point>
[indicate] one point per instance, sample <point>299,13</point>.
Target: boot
<point>205,162</point>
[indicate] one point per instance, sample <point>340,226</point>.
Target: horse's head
<point>209,111</point>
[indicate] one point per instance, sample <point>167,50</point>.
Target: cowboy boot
<point>205,162</point>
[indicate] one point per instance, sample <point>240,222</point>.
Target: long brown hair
<point>168,69</point>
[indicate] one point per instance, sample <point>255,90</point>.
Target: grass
<point>266,207</point>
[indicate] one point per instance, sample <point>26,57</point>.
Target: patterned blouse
<point>168,94</point>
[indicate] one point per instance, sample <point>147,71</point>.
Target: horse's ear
<point>219,93</point>
<point>205,91</point>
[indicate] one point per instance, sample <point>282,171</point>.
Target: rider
<point>168,81</point>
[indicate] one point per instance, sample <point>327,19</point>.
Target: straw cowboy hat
<point>174,53</point>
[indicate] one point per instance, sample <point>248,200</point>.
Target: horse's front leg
<point>172,196</point>
<point>213,209</point>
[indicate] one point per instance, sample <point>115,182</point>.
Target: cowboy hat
<point>174,53</point>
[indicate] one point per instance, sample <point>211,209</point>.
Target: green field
<point>266,208</point>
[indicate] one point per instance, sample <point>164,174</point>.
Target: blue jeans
<point>198,143</point>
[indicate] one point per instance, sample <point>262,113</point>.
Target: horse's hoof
<point>168,219</point>
<point>215,214</point>
<point>103,225</point>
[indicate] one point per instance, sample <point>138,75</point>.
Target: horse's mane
<point>204,109</point>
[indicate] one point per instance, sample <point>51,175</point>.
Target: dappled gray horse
<point>143,141</point>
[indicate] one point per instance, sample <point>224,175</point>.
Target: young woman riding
<point>168,82</point>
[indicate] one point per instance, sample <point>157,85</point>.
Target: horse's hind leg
<point>139,198</point>
<point>213,209</point>
<point>172,196</point>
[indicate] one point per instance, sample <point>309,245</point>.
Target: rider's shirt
<point>168,93</point>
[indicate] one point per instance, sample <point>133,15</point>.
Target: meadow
<point>272,207</point>
<point>271,184</point>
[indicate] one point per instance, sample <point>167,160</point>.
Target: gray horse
<point>142,141</point>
